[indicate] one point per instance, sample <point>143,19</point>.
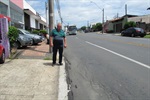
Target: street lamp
<point>148,15</point>
<point>102,15</point>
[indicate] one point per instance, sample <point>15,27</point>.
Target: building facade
<point>33,20</point>
<point>17,15</point>
<point>142,22</point>
<point>116,25</point>
<point>5,9</point>
<point>22,15</point>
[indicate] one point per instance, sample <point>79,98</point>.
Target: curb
<point>16,54</point>
<point>62,87</point>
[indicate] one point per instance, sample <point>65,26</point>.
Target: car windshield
<point>71,28</point>
<point>26,32</point>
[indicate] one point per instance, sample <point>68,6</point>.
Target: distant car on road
<point>35,38</point>
<point>133,31</point>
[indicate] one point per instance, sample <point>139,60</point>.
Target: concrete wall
<point>110,26</point>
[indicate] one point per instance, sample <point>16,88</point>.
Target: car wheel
<point>132,35</point>
<point>142,36</point>
<point>2,59</point>
<point>33,42</point>
<point>122,34</point>
<point>24,46</point>
<point>17,45</point>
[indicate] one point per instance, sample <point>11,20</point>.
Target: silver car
<point>23,41</point>
<point>35,38</point>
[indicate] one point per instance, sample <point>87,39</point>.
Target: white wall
<point>27,6</point>
<point>32,22</point>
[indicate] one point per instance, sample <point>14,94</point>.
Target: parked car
<point>23,41</point>
<point>2,54</point>
<point>4,40</point>
<point>35,38</point>
<point>133,31</point>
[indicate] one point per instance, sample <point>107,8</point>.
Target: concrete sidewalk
<point>30,77</point>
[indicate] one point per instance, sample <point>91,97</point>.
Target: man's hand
<point>65,46</point>
<point>51,44</point>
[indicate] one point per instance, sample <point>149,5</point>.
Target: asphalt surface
<point>108,67</point>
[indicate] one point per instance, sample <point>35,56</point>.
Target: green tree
<point>83,28</point>
<point>94,27</point>
<point>99,26</point>
<point>129,24</point>
<point>13,34</point>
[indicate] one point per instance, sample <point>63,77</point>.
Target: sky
<point>82,12</point>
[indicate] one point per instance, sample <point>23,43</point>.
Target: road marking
<point>147,66</point>
<point>77,38</point>
<point>131,43</point>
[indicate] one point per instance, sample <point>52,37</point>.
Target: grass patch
<point>48,58</point>
<point>147,36</point>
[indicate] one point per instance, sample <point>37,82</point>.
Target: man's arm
<point>51,41</point>
<point>65,42</point>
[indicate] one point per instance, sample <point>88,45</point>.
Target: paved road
<point>108,67</point>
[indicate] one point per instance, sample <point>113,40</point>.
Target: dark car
<point>133,31</point>
<point>35,38</point>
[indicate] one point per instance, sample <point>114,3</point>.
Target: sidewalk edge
<point>63,87</point>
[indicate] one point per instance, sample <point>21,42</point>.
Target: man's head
<point>59,26</point>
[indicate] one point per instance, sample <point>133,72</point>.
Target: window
<point>3,9</point>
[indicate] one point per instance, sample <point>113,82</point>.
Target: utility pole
<point>126,9</point>
<point>103,22</point>
<point>51,19</point>
<point>46,9</point>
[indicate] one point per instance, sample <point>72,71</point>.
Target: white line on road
<point>77,38</point>
<point>147,66</point>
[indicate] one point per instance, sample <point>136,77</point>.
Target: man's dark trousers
<point>55,49</point>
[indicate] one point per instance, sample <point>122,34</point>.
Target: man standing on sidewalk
<point>58,42</point>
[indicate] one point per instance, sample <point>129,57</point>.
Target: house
<point>116,25</point>
<point>142,22</point>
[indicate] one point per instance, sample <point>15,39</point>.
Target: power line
<point>59,10</point>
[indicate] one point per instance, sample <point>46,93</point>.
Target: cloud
<point>79,12</point>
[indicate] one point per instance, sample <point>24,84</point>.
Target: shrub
<point>13,35</point>
<point>43,31</point>
<point>129,24</point>
<point>35,32</point>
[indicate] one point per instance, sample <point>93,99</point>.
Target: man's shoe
<point>53,64</point>
<point>60,63</point>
